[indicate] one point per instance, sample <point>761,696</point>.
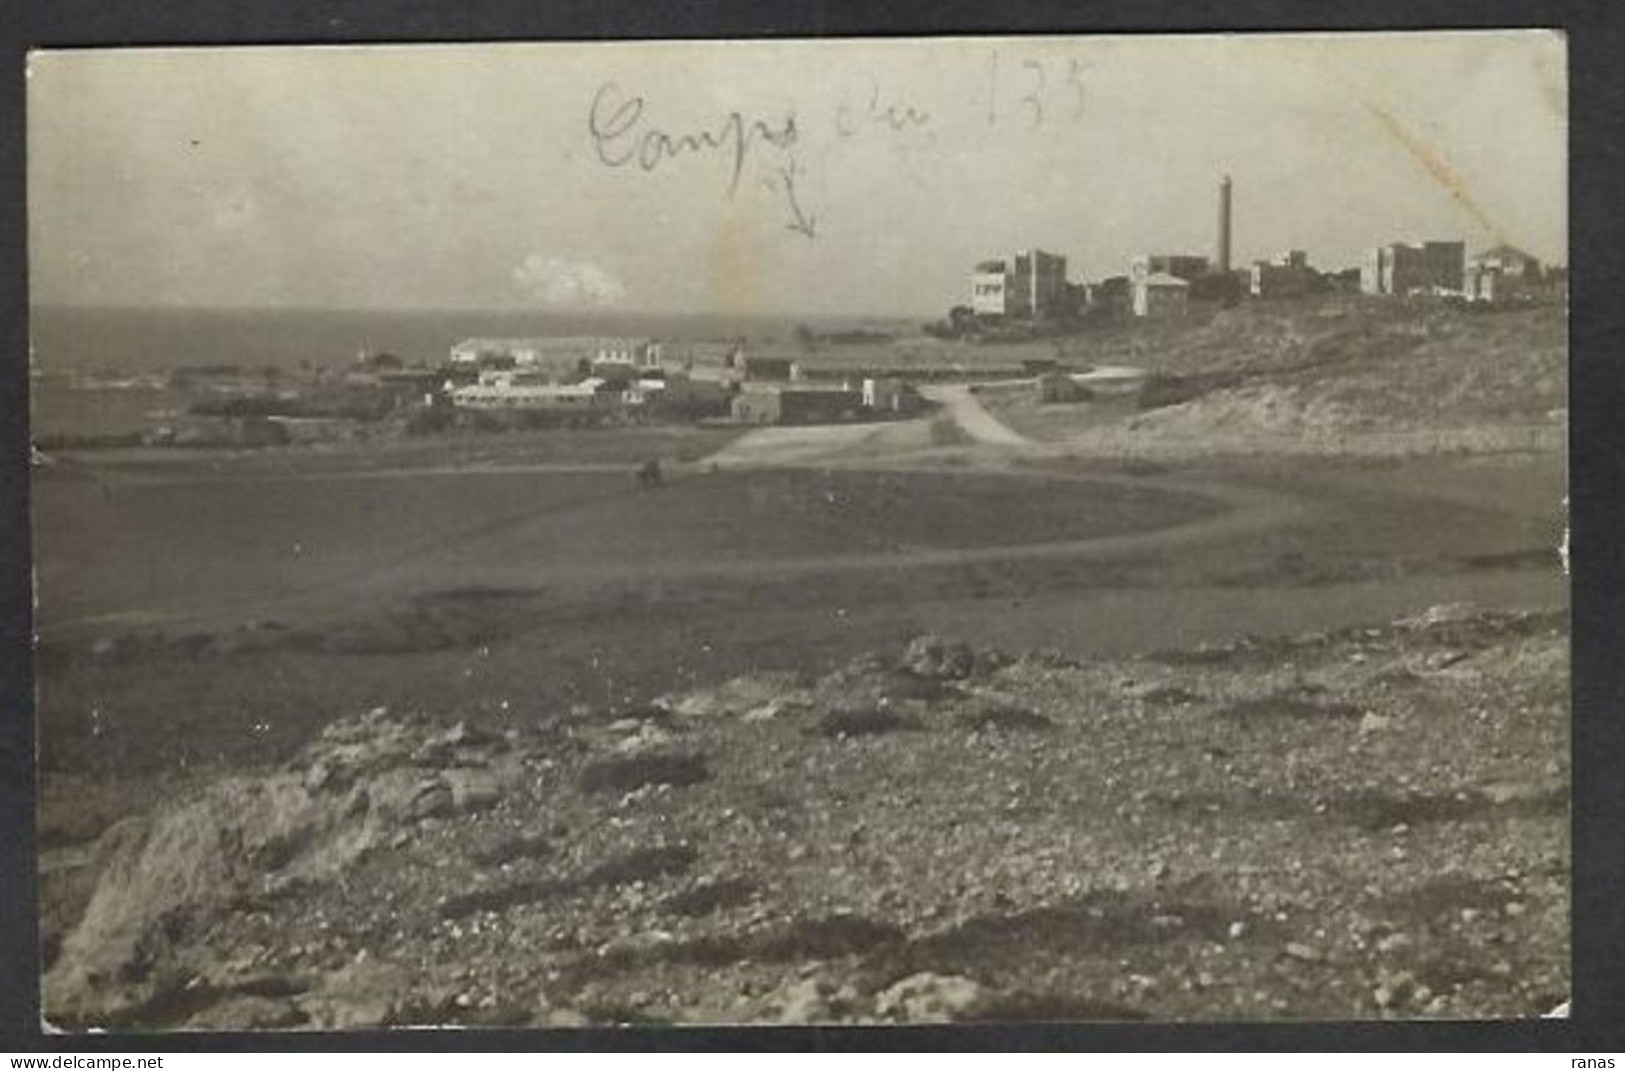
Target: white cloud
<point>562,281</point>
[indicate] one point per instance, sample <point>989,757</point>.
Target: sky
<point>852,177</point>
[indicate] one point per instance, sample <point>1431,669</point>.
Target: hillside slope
<point>1397,377</point>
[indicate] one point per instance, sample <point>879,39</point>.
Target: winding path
<point>403,573</point>
<point>967,410</point>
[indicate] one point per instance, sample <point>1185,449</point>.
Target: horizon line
<point>509,310</point>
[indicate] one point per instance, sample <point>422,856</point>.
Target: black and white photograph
<point>861,532</point>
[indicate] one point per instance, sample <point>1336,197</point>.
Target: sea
<point>101,371</point>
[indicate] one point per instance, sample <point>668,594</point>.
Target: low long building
<point>797,404</point>
<point>522,395</point>
<point>917,361</point>
<point>558,350</point>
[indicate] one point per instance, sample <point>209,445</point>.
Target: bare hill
<point>1312,374</point>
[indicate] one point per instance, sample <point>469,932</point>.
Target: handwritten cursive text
<point>620,138</point>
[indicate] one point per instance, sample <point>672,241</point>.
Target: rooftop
<point>549,342</point>
<point>1503,252</point>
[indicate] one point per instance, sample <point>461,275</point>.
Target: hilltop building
<point>1502,273</point>
<point>1186,266</point>
<point>1160,296</point>
<point>1029,285</point>
<point>1288,275</point>
<point>1399,269</point>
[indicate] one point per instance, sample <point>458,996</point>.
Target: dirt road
<point>484,553</point>
<point>971,416</point>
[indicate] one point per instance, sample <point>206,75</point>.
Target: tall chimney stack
<point>1224,226</point>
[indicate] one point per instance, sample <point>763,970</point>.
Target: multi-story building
<point>1399,269</point>
<point>1500,274</point>
<point>1186,266</point>
<point>1028,285</point>
<point>1288,275</point>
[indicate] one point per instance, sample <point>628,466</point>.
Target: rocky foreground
<point>1368,823</point>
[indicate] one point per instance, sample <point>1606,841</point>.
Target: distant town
<point>1021,309</point>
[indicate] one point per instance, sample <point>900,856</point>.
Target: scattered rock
<point>932,656</point>
<point>1375,723</point>
<point>739,695</point>
<point>431,798</point>
<point>645,737</point>
<point>242,1013</point>
<point>1002,717</point>
<point>929,997</point>
<point>361,996</point>
<point>350,791</point>
<point>767,711</point>
<point>804,1002</point>
<point>711,896</point>
<point>1049,859</point>
<point>641,864</point>
<point>513,849</point>
<point>1169,695</point>
<point>1299,951</point>
<point>1394,990</point>
<point>861,721</point>
<point>627,773</point>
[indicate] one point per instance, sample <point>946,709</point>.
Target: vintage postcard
<point>801,531</point>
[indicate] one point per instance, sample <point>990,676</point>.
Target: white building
<point>1029,284</point>
<point>523,393</point>
<point>559,351</point>
<point>1160,295</point>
